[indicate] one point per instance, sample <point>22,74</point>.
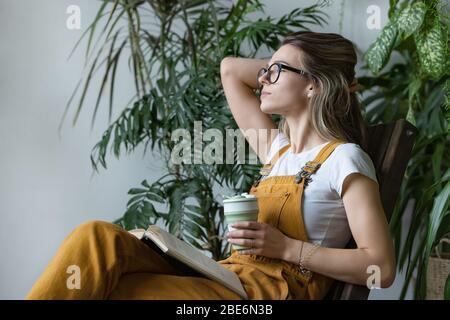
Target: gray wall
<point>46,188</point>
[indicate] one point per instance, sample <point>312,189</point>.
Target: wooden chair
<point>390,146</point>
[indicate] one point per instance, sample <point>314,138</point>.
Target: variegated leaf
<point>431,43</point>
<point>410,19</point>
<point>379,52</point>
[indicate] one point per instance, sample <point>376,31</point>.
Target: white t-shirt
<point>323,209</point>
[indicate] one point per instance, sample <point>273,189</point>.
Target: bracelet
<point>300,254</point>
<point>302,262</point>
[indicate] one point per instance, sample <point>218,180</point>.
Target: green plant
<point>177,80</point>
<point>447,289</point>
<point>416,89</point>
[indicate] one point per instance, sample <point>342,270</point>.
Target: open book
<point>190,256</point>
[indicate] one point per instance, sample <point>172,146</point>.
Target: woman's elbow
<point>382,272</point>
<point>388,273</point>
<point>387,280</point>
<point>225,68</point>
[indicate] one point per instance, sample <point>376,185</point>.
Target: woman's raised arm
<point>239,80</point>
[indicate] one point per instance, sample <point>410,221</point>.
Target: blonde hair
<point>335,110</point>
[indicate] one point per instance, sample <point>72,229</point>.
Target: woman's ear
<point>310,92</point>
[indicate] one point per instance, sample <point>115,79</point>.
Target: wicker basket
<point>437,273</point>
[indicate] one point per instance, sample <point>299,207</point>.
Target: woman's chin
<point>266,109</point>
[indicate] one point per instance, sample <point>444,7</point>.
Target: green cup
<point>242,207</point>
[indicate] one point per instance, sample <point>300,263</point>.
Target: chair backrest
<point>390,146</point>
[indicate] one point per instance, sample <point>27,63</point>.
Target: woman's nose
<point>262,79</point>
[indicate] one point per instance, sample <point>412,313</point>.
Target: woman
<point>310,82</point>
<point>317,189</point>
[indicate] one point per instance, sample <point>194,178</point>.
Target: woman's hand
<point>264,239</point>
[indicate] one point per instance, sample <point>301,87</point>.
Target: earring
<point>309,95</point>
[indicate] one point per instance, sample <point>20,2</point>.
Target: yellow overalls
<point>113,264</point>
<point>280,202</point>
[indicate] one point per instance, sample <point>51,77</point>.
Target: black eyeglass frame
<point>281,66</point>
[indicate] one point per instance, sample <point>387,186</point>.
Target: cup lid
<point>242,197</point>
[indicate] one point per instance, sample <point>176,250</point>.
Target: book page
<point>138,233</point>
<point>194,258</point>
<point>189,252</point>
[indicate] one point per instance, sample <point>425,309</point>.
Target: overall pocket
<point>270,205</point>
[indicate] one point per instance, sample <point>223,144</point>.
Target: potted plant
<point>416,89</point>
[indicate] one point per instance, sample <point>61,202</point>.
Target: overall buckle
<point>305,174</point>
<point>312,165</point>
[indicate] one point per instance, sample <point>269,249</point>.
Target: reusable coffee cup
<point>242,207</point>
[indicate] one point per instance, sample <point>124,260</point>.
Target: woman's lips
<point>264,94</point>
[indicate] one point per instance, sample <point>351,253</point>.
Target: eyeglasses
<point>273,72</point>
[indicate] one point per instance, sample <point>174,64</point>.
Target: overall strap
<point>312,166</point>
<point>265,170</point>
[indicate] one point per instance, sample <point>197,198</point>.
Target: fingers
<point>243,234</point>
<point>247,224</point>
<point>252,243</point>
<point>249,234</point>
